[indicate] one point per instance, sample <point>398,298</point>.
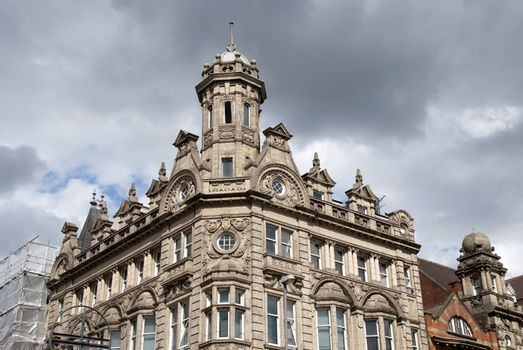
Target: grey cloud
<point>19,166</point>
<point>21,223</point>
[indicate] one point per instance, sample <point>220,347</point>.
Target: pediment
<point>183,137</point>
<point>279,130</point>
<point>363,191</point>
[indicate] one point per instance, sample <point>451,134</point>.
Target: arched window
<point>246,114</point>
<point>459,326</point>
<point>508,341</point>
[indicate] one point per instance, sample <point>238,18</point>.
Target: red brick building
<point>473,306</point>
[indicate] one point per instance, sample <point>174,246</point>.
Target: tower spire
<point>231,46</point>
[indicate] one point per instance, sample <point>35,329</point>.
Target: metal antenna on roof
<point>231,46</point>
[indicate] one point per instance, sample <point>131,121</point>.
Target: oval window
<point>278,186</point>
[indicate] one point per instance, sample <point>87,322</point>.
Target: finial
<point>231,46</point>
<point>316,160</point>
<point>162,172</point>
<point>132,193</point>
<point>359,177</point>
<point>93,201</point>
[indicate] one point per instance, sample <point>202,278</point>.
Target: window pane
<point>324,338</point>
<point>272,319</point>
<point>223,323</point>
<point>372,344</point>
<point>227,167</point>
<point>371,327</point>
<point>228,112</point>
<point>239,296</point>
<point>238,324</point>
<point>270,235</point>
<point>223,294</point>
<point>246,114</point>
<point>115,340</point>
<point>272,305</point>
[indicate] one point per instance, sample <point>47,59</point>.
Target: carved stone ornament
<point>248,135</point>
<point>227,186</point>
<point>278,142</point>
<point>207,139</point>
<point>290,195</point>
<point>181,190</point>
<point>226,132</point>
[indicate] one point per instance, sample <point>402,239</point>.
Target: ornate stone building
<point>472,307</point>
<point>237,250</point>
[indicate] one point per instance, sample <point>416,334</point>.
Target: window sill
<point>208,344</point>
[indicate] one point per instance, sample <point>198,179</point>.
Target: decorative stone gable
<point>185,142</point>
<point>282,186</point>
<point>181,189</point>
<point>277,137</point>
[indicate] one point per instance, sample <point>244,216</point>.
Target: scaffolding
<point>23,296</point>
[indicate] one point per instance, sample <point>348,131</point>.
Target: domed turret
<point>476,242</point>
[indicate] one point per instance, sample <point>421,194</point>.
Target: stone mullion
<point>393,279</point>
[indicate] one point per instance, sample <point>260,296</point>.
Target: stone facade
<point>237,250</point>
<point>475,297</point>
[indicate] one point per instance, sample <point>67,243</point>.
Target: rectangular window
<point>223,296</point>
<point>341,328</point>
<point>60,309</point>
<point>389,337</point>
<point>476,285</point>
<point>272,320</point>
<point>223,323</point>
<point>286,243</point>
<point>149,331</point>
<point>108,287</point>
<point>139,271</point>
<point>384,276</point>
<point>227,169</point>
<point>372,337</point>
<point>278,241</point>
<point>239,297</point>
<point>188,243</point>
<point>494,284</point>
<point>157,257</point>
<point>79,297</point>
<point>291,324</point>
<point>180,330</point>
<point>414,335</point>
<point>362,267</point>
<point>123,279</point>
<point>94,292</point>
<point>209,117</point>
<point>183,240</point>
<point>338,260</point>
<point>133,334</point>
<point>208,325</point>
<point>239,316</point>
<point>115,339</point>
<point>228,112</point>
<point>246,114</point>
<point>317,195</point>
<point>408,279</point>
<point>362,209</point>
<point>315,255</point>
<point>208,299</point>
<point>324,328</point>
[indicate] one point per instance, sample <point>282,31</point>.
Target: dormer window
<point>362,209</point>
<point>459,326</point>
<point>246,114</point>
<point>228,112</point>
<point>318,195</point>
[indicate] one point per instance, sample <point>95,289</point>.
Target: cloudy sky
<point>424,96</point>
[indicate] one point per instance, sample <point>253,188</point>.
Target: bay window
<point>379,333</point>
<point>225,305</point>
<point>331,328</point>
